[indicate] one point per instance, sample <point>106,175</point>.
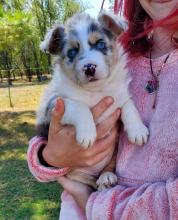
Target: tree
<point>23,24</point>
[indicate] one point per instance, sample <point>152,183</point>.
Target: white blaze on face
<point>89,56</point>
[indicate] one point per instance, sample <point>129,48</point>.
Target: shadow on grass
<point>16,128</point>
<point>22,197</point>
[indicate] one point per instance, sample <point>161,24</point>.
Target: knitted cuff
<point>39,171</point>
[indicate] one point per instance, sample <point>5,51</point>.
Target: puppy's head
<point>85,47</point>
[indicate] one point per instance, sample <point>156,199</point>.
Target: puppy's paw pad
<point>138,134</point>
<point>106,180</point>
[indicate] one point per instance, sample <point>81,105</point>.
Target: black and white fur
<point>89,65</point>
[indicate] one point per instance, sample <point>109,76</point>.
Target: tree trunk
<point>13,73</point>
<point>37,66</point>
<point>1,77</point>
<point>9,80</point>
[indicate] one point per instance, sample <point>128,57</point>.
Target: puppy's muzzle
<point>89,70</point>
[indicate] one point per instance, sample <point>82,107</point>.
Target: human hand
<point>62,149</point>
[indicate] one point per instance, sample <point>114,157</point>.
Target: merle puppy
<point>89,65</point>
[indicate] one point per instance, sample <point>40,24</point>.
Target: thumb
<point>57,114</point>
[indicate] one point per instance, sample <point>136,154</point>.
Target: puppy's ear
<point>115,24</point>
<point>54,40</point>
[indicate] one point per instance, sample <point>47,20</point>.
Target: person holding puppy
<point>148,175</point>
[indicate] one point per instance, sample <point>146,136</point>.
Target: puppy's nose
<point>89,69</point>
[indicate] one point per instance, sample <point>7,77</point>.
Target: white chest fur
<point>116,86</point>
<point>79,99</point>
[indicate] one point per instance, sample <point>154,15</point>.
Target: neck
<point>162,42</point>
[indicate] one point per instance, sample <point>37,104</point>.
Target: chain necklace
<point>152,86</point>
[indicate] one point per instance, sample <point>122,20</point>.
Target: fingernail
<point>109,100</point>
<point>118,112</point>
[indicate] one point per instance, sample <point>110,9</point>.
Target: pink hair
<point>140,25</point>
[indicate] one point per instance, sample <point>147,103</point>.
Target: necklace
<point>152,86</point>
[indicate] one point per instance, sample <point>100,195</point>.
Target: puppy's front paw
<point>106,180</point>
<point>86,136</point>
<point>138,134</point>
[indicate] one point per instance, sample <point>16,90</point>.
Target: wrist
<point>41,158</point>
<point>48,157</point>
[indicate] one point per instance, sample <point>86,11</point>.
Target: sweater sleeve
<point>40,172</point>
<point>150,201</point>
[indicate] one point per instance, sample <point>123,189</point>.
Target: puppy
<point>89,65</point>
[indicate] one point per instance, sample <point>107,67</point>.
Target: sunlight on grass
<point>38,208</point>
<point>23,97</point>
<point>6,155</point>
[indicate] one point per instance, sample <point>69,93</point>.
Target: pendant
<point>152,86</point>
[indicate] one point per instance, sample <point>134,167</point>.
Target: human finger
<point>104,127</point>
<point>107,141</point>
<point>101,107</point>
<point>103,147</point>
<point>56,116</point>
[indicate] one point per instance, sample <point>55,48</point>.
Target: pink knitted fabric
<point>147,176</point>
<point>41,173</point>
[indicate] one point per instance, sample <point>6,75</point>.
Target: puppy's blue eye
<point>72,53</point>
<point>100,45</point>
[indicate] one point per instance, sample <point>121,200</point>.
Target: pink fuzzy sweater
<point>147,176</point>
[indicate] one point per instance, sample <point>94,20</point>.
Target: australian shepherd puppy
<point>89,65</point>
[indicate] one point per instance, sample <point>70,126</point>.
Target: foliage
<point>23,24</point>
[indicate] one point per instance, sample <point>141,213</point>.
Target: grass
<point>21,196</point>
<point>24,95</point>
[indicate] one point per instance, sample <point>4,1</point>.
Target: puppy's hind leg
<point>108,178</point>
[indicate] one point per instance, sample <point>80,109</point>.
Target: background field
<point>21,196</point>
<point>23,25</point>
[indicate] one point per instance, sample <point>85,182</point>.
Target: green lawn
<point>21,196</point>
